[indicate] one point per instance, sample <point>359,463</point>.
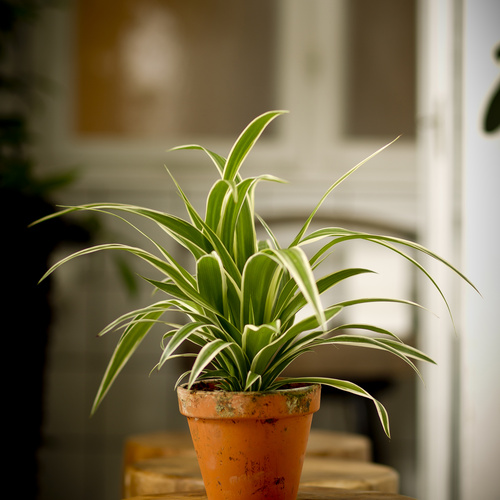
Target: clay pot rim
<point>264,405</point>
<point>209,386</point>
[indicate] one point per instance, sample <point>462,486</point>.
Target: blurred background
<point>94,93</point>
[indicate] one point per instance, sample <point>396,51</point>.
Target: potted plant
<point>241,304</point>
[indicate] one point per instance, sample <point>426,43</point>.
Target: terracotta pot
<point>250,445</point>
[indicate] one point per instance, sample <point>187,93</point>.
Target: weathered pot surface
<point>250,445</point>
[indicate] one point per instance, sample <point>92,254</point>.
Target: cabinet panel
<point>147,68</point>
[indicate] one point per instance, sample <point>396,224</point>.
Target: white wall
<point>459,407</point>
<point>480,368</point>
<point>438,160</point>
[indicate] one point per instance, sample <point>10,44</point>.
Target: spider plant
<point>241,303</point>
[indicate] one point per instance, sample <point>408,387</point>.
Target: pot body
<point>250,445</point>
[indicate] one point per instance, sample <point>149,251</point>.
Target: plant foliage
<point>243,298</point>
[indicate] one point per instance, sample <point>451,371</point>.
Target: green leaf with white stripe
<point>207,354</point>
<point>245,142</point>
<point>128,344</point>
<point>295,261</point>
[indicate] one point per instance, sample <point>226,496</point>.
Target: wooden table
<point>321,443</point>
<point>181,473</point>
<point>349,475</point>
<point>344,445</point>
<point>305,493</point>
